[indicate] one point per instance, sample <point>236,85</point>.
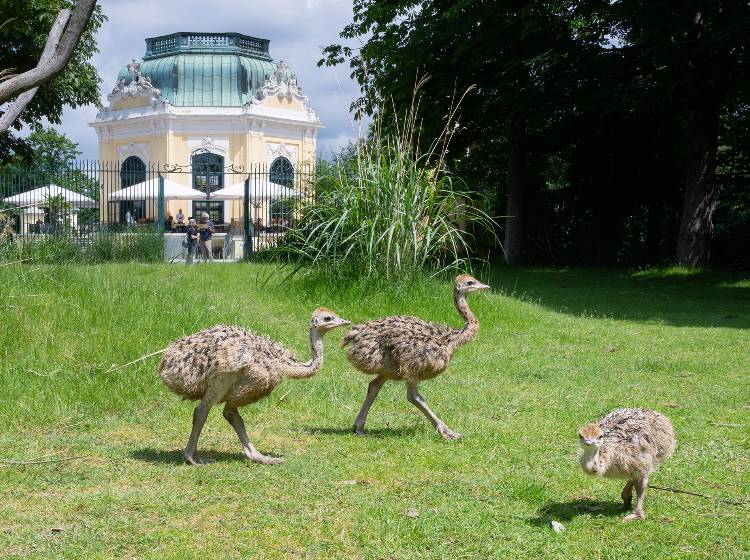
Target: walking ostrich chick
<point>237,367</point>
<point>627,444</point>
<point>411,350</point>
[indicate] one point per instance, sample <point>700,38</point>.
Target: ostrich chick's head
<point>590,436</point>
<point>466,284</point>
<point>323,320</point>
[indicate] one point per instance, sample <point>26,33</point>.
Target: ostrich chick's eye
<point>328,318</point>
<point>470,282</point>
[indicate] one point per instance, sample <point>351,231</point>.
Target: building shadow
<point>568,510</point>
<point>703,299</point>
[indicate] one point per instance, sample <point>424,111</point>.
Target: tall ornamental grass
<point>385,209</point>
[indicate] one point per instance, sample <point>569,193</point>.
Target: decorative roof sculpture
<point>139,86</point>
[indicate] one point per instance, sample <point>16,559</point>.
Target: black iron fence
<point>249,209</point>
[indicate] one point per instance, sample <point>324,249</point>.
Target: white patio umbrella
<point>40,195</point>
<point>150,189</point>
<point>258,190</point>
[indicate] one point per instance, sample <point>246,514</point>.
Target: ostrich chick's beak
<point>481,286</point>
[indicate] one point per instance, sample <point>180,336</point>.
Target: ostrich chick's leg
<point>372,391</point>
<point>199,419</point>
<point>640,490</point>
<point>627,494</point>
<point>217,388</point>
<point>413,396</point>
<point>232,416</point>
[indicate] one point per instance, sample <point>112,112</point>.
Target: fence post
<point>160,208</point>
<point>247,248</point>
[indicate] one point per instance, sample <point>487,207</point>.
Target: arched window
<point>132,172</point>
<point>208,176</point>
<point>282,172</point>
<point>208,172</point>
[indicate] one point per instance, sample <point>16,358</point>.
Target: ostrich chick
<point>411,350</point>
<point>234,366</point>
<point>627,444</point>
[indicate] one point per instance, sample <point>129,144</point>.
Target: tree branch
<point>19,104</point>
<point>59,50</point>
<point>15,108</point>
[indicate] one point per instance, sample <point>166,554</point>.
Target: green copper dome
<point>205,69</point>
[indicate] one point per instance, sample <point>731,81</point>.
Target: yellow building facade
<point>204,110</point>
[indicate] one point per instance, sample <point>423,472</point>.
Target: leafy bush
<point>45,249</point>
<point>143,246</point>
<point>384,209</point>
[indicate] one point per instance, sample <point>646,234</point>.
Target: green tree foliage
<point>53,161</point>
<point>593,122</point>
<point>24,26</point>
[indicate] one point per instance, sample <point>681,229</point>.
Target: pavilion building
<point>204,105</point>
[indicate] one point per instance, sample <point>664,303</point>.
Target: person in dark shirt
<point>206,230</point>
<point>192,240</point>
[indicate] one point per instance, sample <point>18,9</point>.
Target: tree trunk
<point>696,226</point>
<point>514,179</point>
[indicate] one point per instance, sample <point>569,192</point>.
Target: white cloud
<point>296,29</point>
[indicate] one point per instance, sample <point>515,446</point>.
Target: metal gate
<point>252,208</point>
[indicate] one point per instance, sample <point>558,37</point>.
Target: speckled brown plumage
<point>232,365</point>
<point>627,444</point>
<point>190,362</point>
<point>410,349</point>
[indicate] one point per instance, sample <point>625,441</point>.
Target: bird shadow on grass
<point>566,511</point>
<point>163,456</point>
<point>374,433</point>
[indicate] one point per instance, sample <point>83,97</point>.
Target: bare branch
<point>7,74</point>
<point>19,104</point>
<point>60,51</point>
<point>7,21</point>
<point>15,108</point>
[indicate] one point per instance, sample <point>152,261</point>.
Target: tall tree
<point>697,52</point>
<point>518,54</point>
<point>595,122</point>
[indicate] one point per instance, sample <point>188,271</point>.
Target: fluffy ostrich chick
<point>627,444</point>
<point>411,350</point>
<point>234,366</point>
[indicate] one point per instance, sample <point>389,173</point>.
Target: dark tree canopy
<point>597,125</point>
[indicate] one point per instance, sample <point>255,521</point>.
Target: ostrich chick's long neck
<point>591,461</point>
<point>311,367</point>
<point>471,325</point>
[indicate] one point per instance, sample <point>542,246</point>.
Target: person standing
<point>207,230</point>
<point>129,218</point>
<point>180,218</point>
<point>192,240</point>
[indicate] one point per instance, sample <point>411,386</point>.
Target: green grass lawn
<point>555,350</point>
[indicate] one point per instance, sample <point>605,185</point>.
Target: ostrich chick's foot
<point>257,457</point>
<point>633,516</point>
<point>359,430</point>
<point>447,433</point>
<point>193,459</point>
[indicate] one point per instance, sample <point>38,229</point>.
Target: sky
<point>297,29</point>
